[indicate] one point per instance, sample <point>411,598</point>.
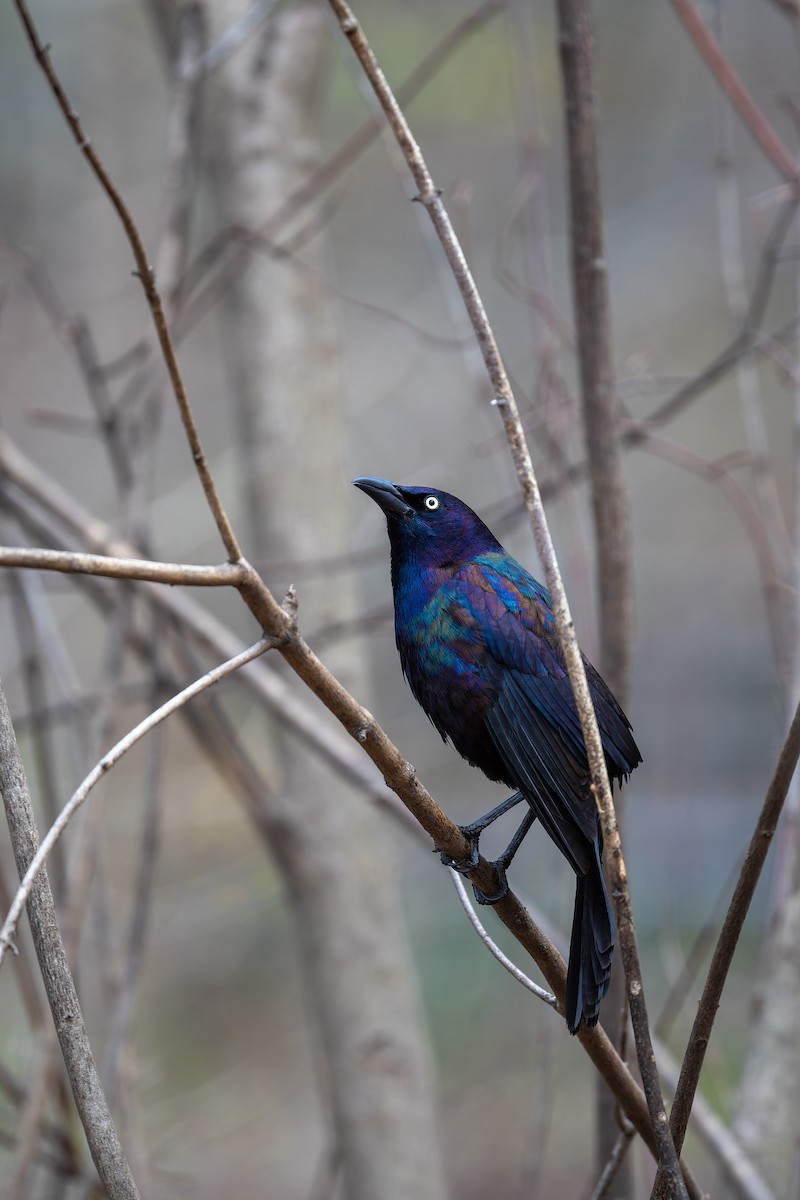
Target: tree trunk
<point>262,108</point>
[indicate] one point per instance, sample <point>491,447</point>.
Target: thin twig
<point>504,400</point>
<point>105,764</point>
<point>734,278</point>
<point>319,180</point>
<point>737,93</point>
<point>614,1164</point>
<point>236,34</point>
<point>289,709</point>
<point>147,277</point>
<point>739,1168</point>
<point>276,622</point>
<point>95,1116</point>
<point>493,947</point>
<point>729,934</point>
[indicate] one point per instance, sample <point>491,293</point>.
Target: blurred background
<point>334,346</point>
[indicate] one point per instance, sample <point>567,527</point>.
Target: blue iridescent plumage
<point>478,646</point>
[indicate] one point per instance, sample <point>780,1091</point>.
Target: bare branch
<point>319,179</point>
<point>400,776</point>
<point>735,90</point>
<point>87,1089</point>
<point>600,408</point>
<point>146,275</point>
<point>71,562</point>
<point>493,947</point>
<point>615,1160</point>
<point>726,1148</point>
<point>106,763</point>
<point>504,400</point>
<point>731,929</point>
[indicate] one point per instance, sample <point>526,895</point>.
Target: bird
<point>479,648</point>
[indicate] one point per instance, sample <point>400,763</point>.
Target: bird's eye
<point>431,503</point>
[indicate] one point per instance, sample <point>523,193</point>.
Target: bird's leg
<point>502,863</point>
<point>473,835</point>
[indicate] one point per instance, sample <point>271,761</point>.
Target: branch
<point>601,410</point>
<point>613,567</point>
<point>105,764</point>
<point>737,93</point>
<point>729,1152</point>
<point>492,946</point>
<point>279,625</point>
<point>147,277</point>
<point>289,709</point>
<point>72,562</point>
<point>504,400</point>
<point>101,1134</point>
<point>319,180</point>
<point>729,934</point>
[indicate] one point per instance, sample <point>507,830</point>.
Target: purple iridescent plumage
<point>478,646</point>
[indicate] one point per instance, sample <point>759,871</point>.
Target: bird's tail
<point>591,948</point>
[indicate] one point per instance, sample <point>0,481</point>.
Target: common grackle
<point>478,646</point>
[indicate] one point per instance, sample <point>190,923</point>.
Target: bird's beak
<point>385,494</point>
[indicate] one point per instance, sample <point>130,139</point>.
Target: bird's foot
<point>502,881</point>
<point>470,860</point>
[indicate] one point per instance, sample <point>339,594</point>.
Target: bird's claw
<point>470,861</point>
<point>503,888</point>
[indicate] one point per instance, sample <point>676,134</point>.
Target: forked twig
<point>148,280</point>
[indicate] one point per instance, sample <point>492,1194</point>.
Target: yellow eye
<point>431,503</point>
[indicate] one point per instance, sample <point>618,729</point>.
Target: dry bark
<point>263,109</point>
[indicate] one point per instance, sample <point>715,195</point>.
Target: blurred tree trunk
<point>262,111</point>
<point>601,419</point>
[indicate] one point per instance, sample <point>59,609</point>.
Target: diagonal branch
<point>400,776</point>
<point>737,93</point>
<point>320,179</point>
<point>101,1134</point>
<point>279,624</point>
<point>504,400</point>
<point>151,721</point>
<point>148,280</point>
<point>731,929</point>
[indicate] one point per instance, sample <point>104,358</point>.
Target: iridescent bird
<point>478,646</point>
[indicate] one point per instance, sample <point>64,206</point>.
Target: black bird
<point>478,646</point>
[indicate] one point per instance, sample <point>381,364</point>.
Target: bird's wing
<point>533,720</point>
<point>519,630</point>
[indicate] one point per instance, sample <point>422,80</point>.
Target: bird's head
<point>428,526</point>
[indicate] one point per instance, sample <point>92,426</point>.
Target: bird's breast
<point>445,662</point>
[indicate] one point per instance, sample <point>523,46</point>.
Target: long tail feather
<point>591,948</point>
